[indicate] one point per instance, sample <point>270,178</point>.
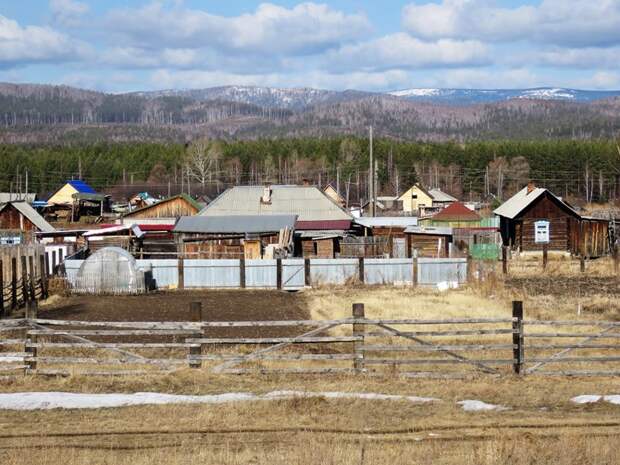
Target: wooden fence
<point>23,276</point>
<point>450,348</point>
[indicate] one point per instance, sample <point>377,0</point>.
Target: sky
<point>374,45</point>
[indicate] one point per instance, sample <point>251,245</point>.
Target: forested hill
<point>38,113</point>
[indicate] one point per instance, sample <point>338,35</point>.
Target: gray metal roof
<point>16,197</point>
<point>33,216</point>
<point>518,202</point>
<point>242,224</point>
<point>441,196</point>
<point>307,202</point>
<point>430,230</point>
<point>387,221</point>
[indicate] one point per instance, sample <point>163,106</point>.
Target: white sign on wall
<point>541,232</point>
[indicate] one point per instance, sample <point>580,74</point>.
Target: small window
<point>414,196</point>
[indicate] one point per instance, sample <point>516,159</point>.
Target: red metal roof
<point>323,225</point>
<point>456,211</point>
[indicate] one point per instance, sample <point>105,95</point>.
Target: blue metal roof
<point>81,187</point>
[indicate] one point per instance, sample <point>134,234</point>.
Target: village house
<point>386,234</point>
<point>237,236</point>
<point>165,211</point>
<point>321,224</point>
<point>428,241</point>
<point>535,217</point>
<point>419,201</point>
<point>75,199</point>
<point>19,223</point>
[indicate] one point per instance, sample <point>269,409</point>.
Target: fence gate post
<point>307,278</point>
<point>358,330</point>
<point>242,272</point>
<point>278,273</point>
<point>43,271</point>
<point>415,277</point>
<point>504,260</point>
<point>545,252</point>
<point>360,269</point>
<point>195,314</point>
<point>25,292</point>
<point>181,273</point>
<point>31,275</point>
<point>517,336</point>
<point>13,282</point>
<point>616,258</point>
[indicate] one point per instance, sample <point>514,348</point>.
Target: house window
<point>414,196</point>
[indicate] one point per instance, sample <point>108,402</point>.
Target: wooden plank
<point>12,342</point>
<point>281,371</point>
<point>287,357</point>
<point>358,331</point>
<point>572,335</point>
<point>434,348</point>
<point>592,359</point>
<point>252,324</point>
<point>112,345</point>
<point>195,326</point>
<point>570,323</point>
<point>275,340</point>
<point>470,332</point>
<point>111,361</point>
<point>431,361</point>
<point>576,373</point>
<point>115,332</point>
<point>66,373</point>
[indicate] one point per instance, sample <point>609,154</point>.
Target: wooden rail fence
<point>441,348</point>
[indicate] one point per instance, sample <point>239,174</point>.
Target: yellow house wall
<point>410,204</point>
<point>63,195</point>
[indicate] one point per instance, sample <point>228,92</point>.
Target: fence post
<point>517,336</point>
<point>54,262</point>
<point>470,269</point>
<point>582,263</point>
<point>545,255</point>
<point>13,282</point>
<point>1,288</point>
<point>31,275</point>
<point>358,330</point>
<point>195,314</point>
<point>307,277</point>
<point>43,270</point>
<point>278,273</point>
<point>31,351</point>
<point>504,260</point>
<point>415,277</point>
<point>614,252</point>
<point>242,272</point>
<point>181,273</point>
<point>25,292</point>
<point>31,310</point>
<point>360,269</point>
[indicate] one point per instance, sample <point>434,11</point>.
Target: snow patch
<point>446,285</point>
<point>479,406</point>
<point>416,93</point>
<point>593,398</point>
<point>69,400</point>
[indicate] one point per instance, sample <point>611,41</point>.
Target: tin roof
<point>242,224</point>
<point>512,207</point>
<point>16,197</point>
<point>456,211</point>
<point>307,202</point>
<point>81,186</point>
<point>31,214</point>
<point>441,196</point>
<point>335,225</point>
<point>430,230</point>
<point>387,221</point>
<point>185,197</point>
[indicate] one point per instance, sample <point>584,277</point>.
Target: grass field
<point>540,425</point>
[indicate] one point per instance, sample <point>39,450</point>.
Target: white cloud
<point>305,29</point>
<point>563,22</point>
<point>590,57</point>
<point>401,51</point>
<point>32,44</point>
<point>68,12</point>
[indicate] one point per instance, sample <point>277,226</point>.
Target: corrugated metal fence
<point>264,273</point>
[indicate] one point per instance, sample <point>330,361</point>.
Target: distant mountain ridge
<point>36,113</point>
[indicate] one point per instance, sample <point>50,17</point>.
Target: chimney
<point>530,187</point>
<point>266,197</point>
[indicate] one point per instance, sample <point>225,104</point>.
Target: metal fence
<point>293,274</point>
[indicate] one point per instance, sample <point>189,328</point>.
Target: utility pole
<point>371,176</point>
<point>26,193</point>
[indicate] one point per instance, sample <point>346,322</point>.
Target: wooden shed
<point>535,216</point>
<point>19,221</point>
<point>172,207</point>
<point>428,241</point>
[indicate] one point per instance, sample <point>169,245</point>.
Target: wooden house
<point>455,215</point>
<point>535,216</point>
<point>165,211</point>
<point>389,228</point>
<point>441,199</point>
<point>19,223</point>
<point>64,195</point>
<point>416,199</point>
<point>428,241</point>
<point>238,236</point>
<point>320,225</point>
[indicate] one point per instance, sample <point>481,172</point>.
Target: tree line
<point>583,170</point>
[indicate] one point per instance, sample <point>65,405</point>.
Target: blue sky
<point>125,45</point>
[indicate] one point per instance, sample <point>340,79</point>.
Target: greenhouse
<point>110,270</point>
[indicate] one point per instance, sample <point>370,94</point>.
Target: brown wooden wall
<point>590,237</point>
<point>427,245</point>
<point>548,210</point>
<point>173,208</point>
<point>10,219</point>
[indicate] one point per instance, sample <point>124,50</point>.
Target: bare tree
<point>202,161</point>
